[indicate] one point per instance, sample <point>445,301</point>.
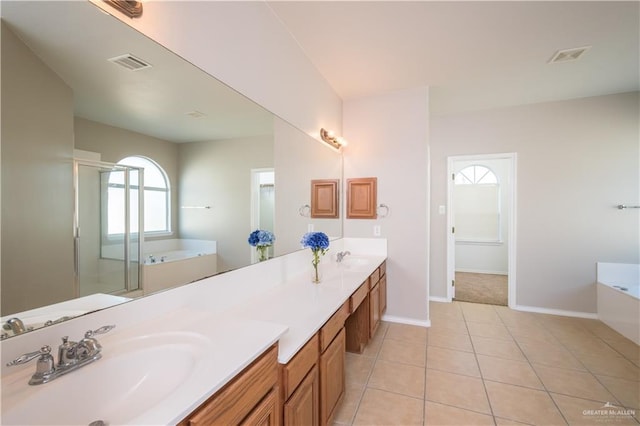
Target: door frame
<point>511,225</point>
<point>255,203</point>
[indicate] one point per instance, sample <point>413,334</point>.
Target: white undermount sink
<point>133,376</point>
<point>354,262</point>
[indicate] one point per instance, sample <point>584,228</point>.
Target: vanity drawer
<point>237,399</point>
<point>333,326</point>
<point>374,278</point>
<point>383,269</point>
<point>299,366</point>
<point>358,296</point>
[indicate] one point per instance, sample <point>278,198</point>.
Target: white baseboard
<point>439,299</point>
<point>480,271</point>
<point>561,312</point>
<point>408,321</point>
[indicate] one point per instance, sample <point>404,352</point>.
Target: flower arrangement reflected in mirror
<point>261,240</point>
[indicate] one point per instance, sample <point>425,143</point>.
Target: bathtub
<point>175,262</point>
<point>619,298</point>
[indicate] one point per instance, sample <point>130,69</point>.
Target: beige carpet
<point>481,288</point>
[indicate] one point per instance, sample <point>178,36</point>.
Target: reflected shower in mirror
<point>69,93</point>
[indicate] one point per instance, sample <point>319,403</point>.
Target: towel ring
<point>383,210</point>
<point>305,210</point>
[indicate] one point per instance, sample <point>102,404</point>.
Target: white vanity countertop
<point>228,346</point>
<point>304,307</point>
<point>236,344</point>
<point>225,338</point>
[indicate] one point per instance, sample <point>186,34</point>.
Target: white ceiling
<point>75,39</point>
<point>473,55</point>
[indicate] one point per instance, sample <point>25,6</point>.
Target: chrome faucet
<point>152,259</point>
<point>341,255</point>
<point>71,356</point>
<point>15,325</point>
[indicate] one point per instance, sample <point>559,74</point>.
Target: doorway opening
<point>481,229</point>
<point>262,204</point>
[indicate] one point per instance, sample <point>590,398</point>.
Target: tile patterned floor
<point>489,365</point>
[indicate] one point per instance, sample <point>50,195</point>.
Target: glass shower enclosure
<point>107,216</point>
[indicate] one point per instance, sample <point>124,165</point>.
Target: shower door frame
<point>105,166</point>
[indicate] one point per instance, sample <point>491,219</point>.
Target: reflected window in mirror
<point>157,198</point>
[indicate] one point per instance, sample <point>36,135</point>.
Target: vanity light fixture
<point>334,141</point>
<point>131,8</point>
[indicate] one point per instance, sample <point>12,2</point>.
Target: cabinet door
<point>374,309</point>
<point>303,408</point>
<point>383,294</point>
<point>240,396</point>
<point>324,198</point>
<point>332,379</point>
<point>265,413</point>
<point>362,196</point>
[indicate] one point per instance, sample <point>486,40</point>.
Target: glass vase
<point>262,253</point>
<point>316,273</point>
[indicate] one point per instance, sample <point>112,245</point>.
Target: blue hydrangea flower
<point>318,242</point>
<point>261,238</point>
<point>315,241</point>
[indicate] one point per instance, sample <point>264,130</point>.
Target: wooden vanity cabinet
<point>357,325</point>
<point>374,309</point>
<point>250,398</point>
<point>374,302</point>
<point>383,287</point>
<point>332,378</point>
<point>302,408</point>
<point>300,386</point>
<point>267,413</point>
<point>332,364</point>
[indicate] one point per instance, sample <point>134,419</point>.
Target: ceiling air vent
<point>130,62</point>
<point>569,54</point>
<point>195,114</point>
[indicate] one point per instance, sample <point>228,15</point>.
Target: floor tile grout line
<point>475,356</point>
<point>546,390</point>
<point>424,386</point>
<point>366,382</point>
<point>562,343</point>
<point>586,370</point>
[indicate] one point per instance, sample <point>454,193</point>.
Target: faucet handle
<point>89,346</point>
<point>24,358</point>
<point>102,330</point>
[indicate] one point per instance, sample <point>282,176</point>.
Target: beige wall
<point>218,174</point>
<point>388,139</point>
<point>37,205</point>
<point>577,160</point>
<point>298,159</point>
<point>115,144</point>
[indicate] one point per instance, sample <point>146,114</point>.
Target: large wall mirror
<point>108,136</point>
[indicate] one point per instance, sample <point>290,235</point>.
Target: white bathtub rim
<point>158,255</point>
<point>625,292</point>
<point>624,274</point>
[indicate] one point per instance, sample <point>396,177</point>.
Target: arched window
<point>477,205</point>
<point>157,197</point>
<point>476,175</point>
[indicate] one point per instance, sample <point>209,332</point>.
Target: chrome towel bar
<point>623,206</point>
